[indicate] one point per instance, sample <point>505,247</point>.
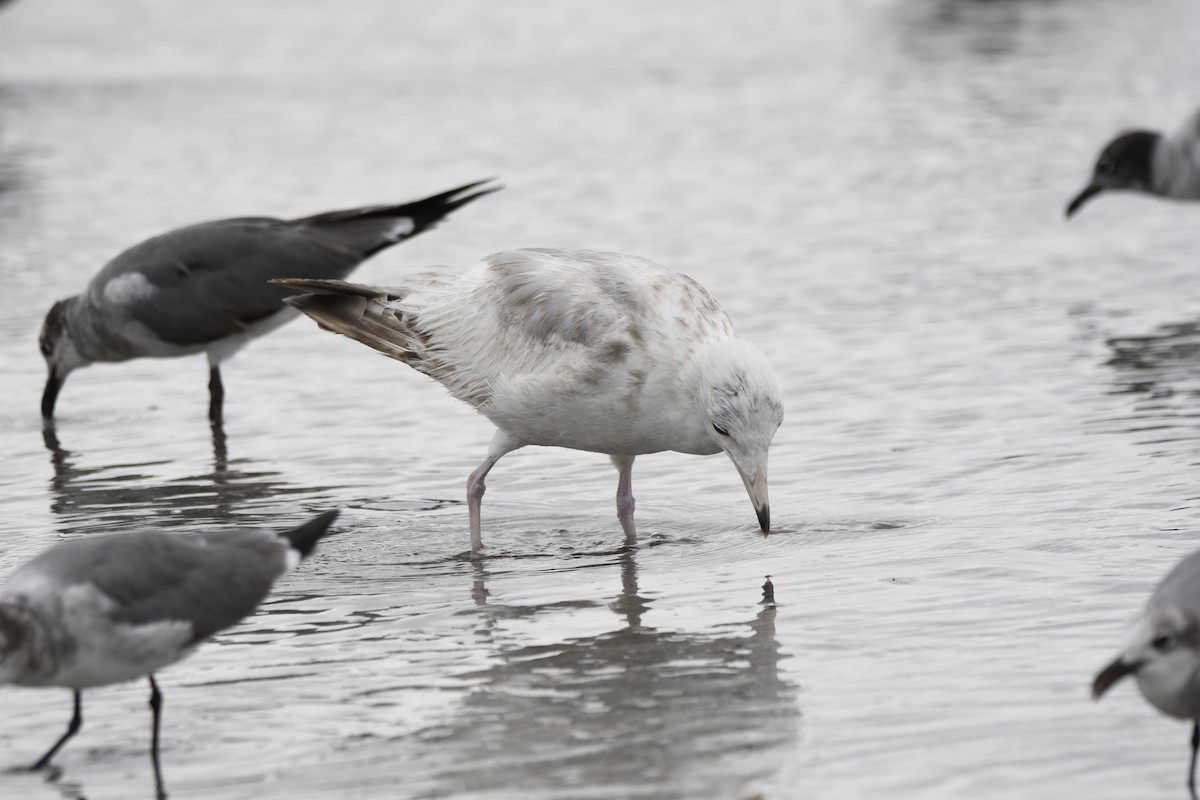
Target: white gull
<point>579,349</point>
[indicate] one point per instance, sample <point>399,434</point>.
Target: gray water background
<point>988,460</point>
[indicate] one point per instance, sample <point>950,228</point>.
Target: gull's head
<point>742,409</point>
<point>60,352</point>
<point>1162,655</point>
<point>14,645</point>
<point>1126,163</point>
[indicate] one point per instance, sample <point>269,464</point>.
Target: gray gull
<point>204,288</point>
<point>1148,162</point>
<point>98,610</point>
<point>1163,651</point>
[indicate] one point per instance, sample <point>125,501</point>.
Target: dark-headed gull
<point>1163,651</point>
<point>205,288</point>
<point>1148,162</point>
<point>580,349</point>
<point>107,609</point>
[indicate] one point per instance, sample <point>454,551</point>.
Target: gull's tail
<point>362,313</point>
<point>304,539</point>
<point>370,229</point>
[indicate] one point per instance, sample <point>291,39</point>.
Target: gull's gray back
<point>211,580</point>
<point>198,284</point>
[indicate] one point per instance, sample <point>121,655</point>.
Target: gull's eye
<point>720,430</point>
<point>45,347</point>
<point>1104,166</point>
<point>1163,642</point>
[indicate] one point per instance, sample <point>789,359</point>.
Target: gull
<point>1163,652</point>
<point>1148,162</point>
<point>107,609</point>
<point>204,288</point>
<point>586,350</point>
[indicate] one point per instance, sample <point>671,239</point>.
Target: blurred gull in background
<point>1148,162</point>
<point>1163,652</point>
<point>107,609</point>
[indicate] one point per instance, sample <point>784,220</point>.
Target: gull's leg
<point>156,711</point>
<point>216,395</point>
<point>475,490</point>
<point>501,443</point>
<point>1195,747</point>
<point>624,465</point>
<point>72,729</point>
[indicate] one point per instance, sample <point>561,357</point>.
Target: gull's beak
<point>50,394</point>
<point>1089,191</point>
<point>756,487</point>
<point>1111,674</point>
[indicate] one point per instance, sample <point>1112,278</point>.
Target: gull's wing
<point>207,281</point>
<point>561,318</point>
<point>201,283</point>
<point>210,581</point>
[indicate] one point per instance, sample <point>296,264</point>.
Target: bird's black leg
<point>1195,747</point>
<point>216,395</point>
<point>72,729</point>
<point>156,708</point>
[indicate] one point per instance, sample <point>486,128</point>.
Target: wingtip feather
<point>304,538</point>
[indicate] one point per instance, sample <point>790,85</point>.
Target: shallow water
<point>991,437</point>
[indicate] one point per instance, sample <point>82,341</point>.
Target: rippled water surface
<point>988,460</point>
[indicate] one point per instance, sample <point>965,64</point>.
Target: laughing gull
<point>204,288</point>
<point>107,609</point>
<point>1148,162</point>
<point>579,349</point>
<point>1163,651</point>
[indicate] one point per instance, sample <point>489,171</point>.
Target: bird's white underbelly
<point>600,427</point>
<point>148,649</point>
<point>223,348</point>
<point>103,650</point>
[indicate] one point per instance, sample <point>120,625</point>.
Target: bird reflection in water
<point>946,32</point>
<point>68,789</point>
<point>1168,355</point>
<point>106,498</point>
<point>705,713</point>
<point>1160,374</point>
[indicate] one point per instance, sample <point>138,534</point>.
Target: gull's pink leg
<point>501,443</point>
<point>624,465</point>
<point>475,490</point>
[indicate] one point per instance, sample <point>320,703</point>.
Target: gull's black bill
<point>1090,191</point>
<point>50,394</point>
<point>1110,675</point>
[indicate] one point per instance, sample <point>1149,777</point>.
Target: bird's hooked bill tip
<point>1111,674</point>
<point>1077,202</point>
<point>756,487</point>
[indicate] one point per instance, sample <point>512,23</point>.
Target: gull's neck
<point>709,356</point>
<point>1175,164</point>
<point>720,360</point>
<point>88,329</point>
